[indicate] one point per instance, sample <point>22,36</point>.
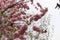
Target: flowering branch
<point>12,12</point>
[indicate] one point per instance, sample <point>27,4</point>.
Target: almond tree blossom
<point>12,12</point>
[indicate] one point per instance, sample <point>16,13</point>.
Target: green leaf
<point>30,34</point>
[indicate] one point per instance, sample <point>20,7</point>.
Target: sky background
<point>55,16</point>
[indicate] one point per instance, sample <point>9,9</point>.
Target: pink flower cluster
<point>8,27</point>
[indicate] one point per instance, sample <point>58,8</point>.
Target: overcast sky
<point>55,16</point>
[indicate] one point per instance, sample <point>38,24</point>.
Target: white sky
<point>55,16</point>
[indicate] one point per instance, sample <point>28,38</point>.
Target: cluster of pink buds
<point>11,12</point>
